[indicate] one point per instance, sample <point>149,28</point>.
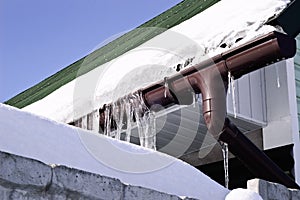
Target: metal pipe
<point>253,158</point>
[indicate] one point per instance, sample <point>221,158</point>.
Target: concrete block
<point>19,194</point>
<point>272,191</point>
<point>137,193</point>
<point>259,186</point>
<point>85,184</point>
<point>278,192</point>
<point>294,194</point>
<point>5,193</point>
<point>35,195</point>
<point>16,170</point>
<point>72,196</point>
<point>57,196</point>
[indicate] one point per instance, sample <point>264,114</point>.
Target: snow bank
<point>39,138</point>
<point>226,24</point>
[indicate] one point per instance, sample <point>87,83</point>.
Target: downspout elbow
<point>211,84</point>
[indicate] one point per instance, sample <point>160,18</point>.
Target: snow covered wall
<point>224,25</point>
<point>39,138</point>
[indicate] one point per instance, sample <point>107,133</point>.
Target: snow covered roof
<point>187,32</point>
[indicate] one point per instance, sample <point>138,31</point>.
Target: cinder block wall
<point>272,191</point>
<point>23,178</point>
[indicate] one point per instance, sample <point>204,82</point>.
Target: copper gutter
<point>210,79</point>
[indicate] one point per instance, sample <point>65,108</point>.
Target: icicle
<point>144,113</point>
<point>151,134</point>
<point>96,119</point>
<point>129,116</point>
<point>231,89</point>
<point>229,82</point>
<point>233,97</point>
<point>84,122</point>
<point>145,121</point>
<point>146,127</point>
<point>90,121</point>
<point>277,75</point>
<point>198,96</point>
<point>115,118</point>
<point>121,115</point>
<point>118,113</point>
<point>148,124</point>
<point>139,123</point>
<point>93,121</point>
<point>225,157</point>
<point>137,109</point>
<point>166,86</point>
<point>107,121</point>
<point>194,99</point>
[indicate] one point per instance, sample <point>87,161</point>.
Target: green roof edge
<point>168,19</point>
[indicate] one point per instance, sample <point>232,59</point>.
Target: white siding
<point>259,100</point>
<point>278,131</point>
<point>296,151</point>
<point>250,97</point>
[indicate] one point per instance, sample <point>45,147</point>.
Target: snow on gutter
<point>226,24</point>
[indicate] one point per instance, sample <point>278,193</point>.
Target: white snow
<point>245,194</point>
<point>229,20</point>
<point>199,37</point>
<point>51,142</point>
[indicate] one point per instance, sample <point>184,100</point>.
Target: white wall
<point>249,98</point>
<point>279,130</point>
<point>260,100</point>
<point>294,117</point>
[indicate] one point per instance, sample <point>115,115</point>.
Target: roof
<point>170,18</point>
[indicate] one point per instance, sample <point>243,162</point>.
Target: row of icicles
<point>136,112</point>
<point>121,116</point>
<point>132,111</point>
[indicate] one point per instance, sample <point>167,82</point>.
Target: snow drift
<point>39,138</point>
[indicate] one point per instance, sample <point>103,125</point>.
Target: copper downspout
<point>210,79</point>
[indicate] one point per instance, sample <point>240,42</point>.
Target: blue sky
<point>38,38</point>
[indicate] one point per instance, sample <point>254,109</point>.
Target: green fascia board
<point>168,19</point>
